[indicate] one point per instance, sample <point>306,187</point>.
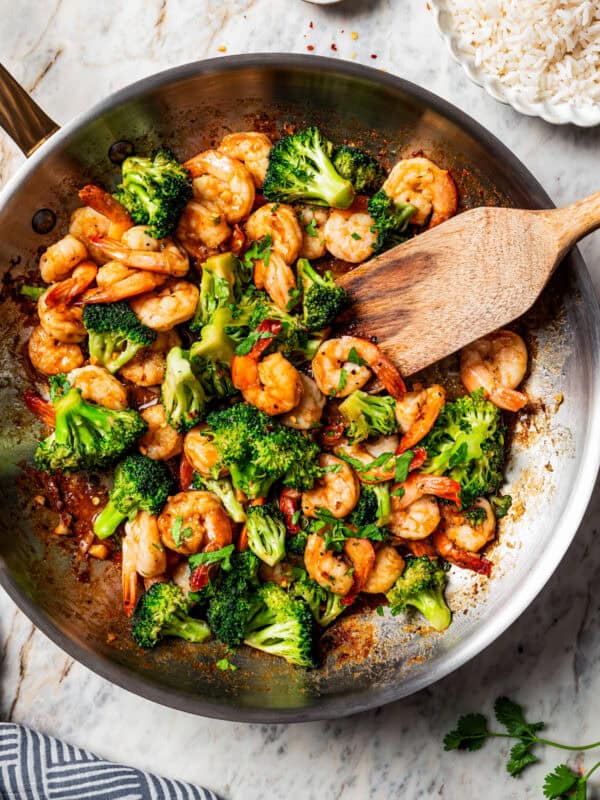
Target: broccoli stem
<point>188,628</point>
<point>433,607</point>
<point>108,520</point>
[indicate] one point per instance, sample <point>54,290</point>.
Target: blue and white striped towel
<point>38,767</point>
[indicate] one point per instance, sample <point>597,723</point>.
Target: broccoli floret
<point>467,444</point>
<point>221,285</point>
<point>324,605</point>
<point>141,484</point>
<point>258,450</point>
<point>163,611</point>
<point>266,534</point>
<point>368,415</point>
<point>155,191</point>
<point>231,600</point>
<point>300,169</point>
<point>322,300</point>
<point>115,333</point>
<point>374,506</point>
<point>224,490</point>
<point>362,170</point>
<point>282,626</point>
<point>390,220</point>
<point>422,585</point>
<point>296,544</point>
<point>87,436</point>
<point>182,393</point>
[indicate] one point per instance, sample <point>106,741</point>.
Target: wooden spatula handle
<point>573,222</point>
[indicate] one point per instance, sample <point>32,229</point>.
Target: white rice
<point>543,49</point>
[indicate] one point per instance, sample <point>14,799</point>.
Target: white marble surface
<point>71,53</point>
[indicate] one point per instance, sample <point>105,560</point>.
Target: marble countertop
<point>69,55</point>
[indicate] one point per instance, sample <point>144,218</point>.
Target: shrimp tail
<point>63,293</point>
<point>508,399</point>
<point>41,408</point>
<point>440,486</point>
<point>107,205</point>
<point>472,561</point>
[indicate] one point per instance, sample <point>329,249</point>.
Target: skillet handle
<point>21,117</point>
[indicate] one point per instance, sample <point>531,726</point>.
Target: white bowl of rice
<point>541,56</point>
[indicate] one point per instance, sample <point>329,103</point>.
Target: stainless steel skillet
<point>369,660</point>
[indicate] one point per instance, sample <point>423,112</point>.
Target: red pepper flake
<point>373,55</point>
<point>310,24</point>
<point>309,47</point>
<point>333,46</point>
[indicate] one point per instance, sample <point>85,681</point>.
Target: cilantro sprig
<point>472,731</point>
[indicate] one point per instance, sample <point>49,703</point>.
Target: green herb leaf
<point>371,531</point>
<point>379,610</point>
<point>399,492</point>
<point>510,714</point>
<point>32,292</point>
<point>311,228</point>
<point>403,463</point>
<point>355,235</point>
<point>296,517</point>
<point>470,733</point>
<point>354,358</point>
<point>248,343</point>
<point>520,757</point>
<point>224,664</point>
<point>258,251</point>
<point>214,557</point>
<point>559,782</point>
<point>176,531</point>
<point>343,380</point>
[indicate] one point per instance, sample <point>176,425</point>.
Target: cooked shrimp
<point>202,229</point>
<point>416,413</point>
<point>332,571</point>
<point>194,521</point>
<point>252,149</point>
<point>496,363</point>
<point>202,453</point>
<point>167,306</point>
<point>273,385</point>
<point>85,224</point>
<point>222,182</point>
<point>336,376</point>
<point>181,576</point>
<point>147,367</point>
<point>424,185</point>
<point>416,521</point>
<point>50,355</point>
<point>277,278</point>
<point>161,441</point>
<point>364,452</point>
<point>138,238</point>
<point>349,235</point>
<point>388,567</point>
<point>118,282</point>
<point>58,317</point>
<point>466,534</point>
<point>61,258</point>
<point>337,490</point>
<point>312,220</point>
<point>143,554</point>
<point>307,414</point>
<point>279,221</point>
<point>169,259</point>
<point>98,385</point>
<point>107,205</point>
<point>416,514</point>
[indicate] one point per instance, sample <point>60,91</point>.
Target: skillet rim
<point>334,706</point>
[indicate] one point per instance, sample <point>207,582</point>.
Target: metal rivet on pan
<point>43,221</point>
<point>120,150</point>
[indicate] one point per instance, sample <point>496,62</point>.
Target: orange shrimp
<point>107,205</point>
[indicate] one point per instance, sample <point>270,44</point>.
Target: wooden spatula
<point>467,277</point>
